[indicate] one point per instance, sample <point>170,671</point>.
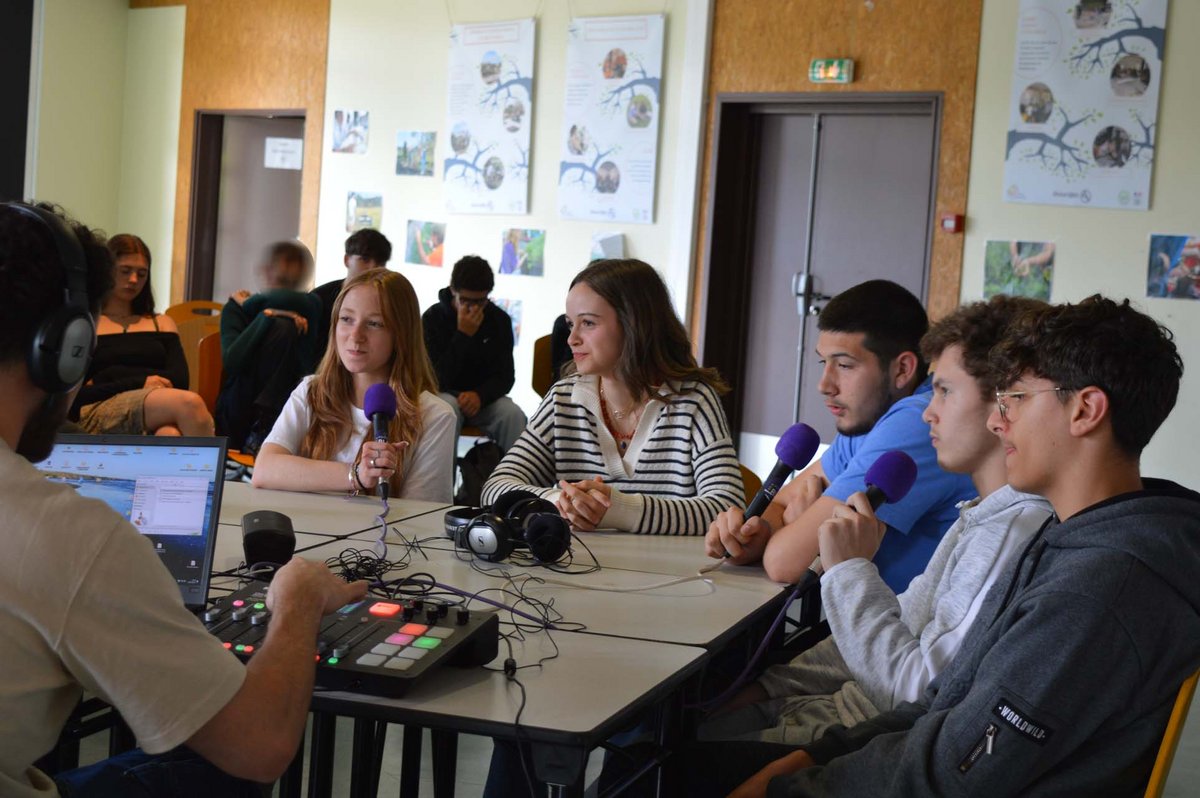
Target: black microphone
<point>795,449</point>
<point>379,404</point>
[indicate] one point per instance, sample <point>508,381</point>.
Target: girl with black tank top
<point>131,383</point>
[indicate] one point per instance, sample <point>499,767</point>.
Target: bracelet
<point>361,487</point>
<point>350,477</point>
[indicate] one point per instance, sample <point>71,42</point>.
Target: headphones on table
<point>61,348</point>
<point>517,520</point>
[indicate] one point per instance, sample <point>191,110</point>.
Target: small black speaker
<point>267,537</point>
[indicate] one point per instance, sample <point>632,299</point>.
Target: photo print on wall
<point>350,130</point>
<point>1018,268</point>
<point>426,242</point>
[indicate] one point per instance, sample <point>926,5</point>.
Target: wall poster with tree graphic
<point>489,115</point>
<point>1084,106</point>
<point>610,126</point>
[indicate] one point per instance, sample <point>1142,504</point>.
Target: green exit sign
<point>831,70</point>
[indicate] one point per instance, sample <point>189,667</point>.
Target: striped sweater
<point>679,472</point>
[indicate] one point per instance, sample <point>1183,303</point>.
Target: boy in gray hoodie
<point>885,648</point>
<point>1064,684</point>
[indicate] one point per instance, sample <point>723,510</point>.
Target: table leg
<point>410,762</point>
<point>363,774</point>
<point>320,760</point>
<point>445,762</point>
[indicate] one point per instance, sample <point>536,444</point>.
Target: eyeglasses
<point>471,303</point>
<point>1002,398</point>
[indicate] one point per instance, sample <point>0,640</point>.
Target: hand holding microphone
<point>741,535</point>
<point>854,531</point>
<point>380,460</point>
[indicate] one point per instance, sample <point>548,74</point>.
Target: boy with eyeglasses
<point>1065,682</point>
<point>470,342</point>
<point>885,648</point>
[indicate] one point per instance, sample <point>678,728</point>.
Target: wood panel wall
<point>899,45</point>
<point>257,55</point>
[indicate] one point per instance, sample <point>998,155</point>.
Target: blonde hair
<point>331,391</point>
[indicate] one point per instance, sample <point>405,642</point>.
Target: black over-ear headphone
<point>518,519</point>
<point>61,348</point>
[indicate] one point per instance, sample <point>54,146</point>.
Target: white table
<point>641,648</point>
<point>332,514</point>
<point>701,612</point>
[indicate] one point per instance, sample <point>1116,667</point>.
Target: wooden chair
<point>195,320</point>
<point>750,482</point>
<point>210,373</point>
<point>543,370</point>
<point>209,370</point>
<point>1170,740</point>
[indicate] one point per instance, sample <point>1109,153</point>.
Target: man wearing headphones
<point>85,603</point>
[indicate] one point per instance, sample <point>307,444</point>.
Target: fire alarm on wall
<point>952,222</point>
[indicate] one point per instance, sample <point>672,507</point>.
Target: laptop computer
<point>168,488</point>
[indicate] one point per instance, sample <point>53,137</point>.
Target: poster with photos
<point>609,136</point>
<point>350,130</point>
<point>489,113</point>
<point>1084,102</point>
<point>1018,268</point>
<point>1174,268</point>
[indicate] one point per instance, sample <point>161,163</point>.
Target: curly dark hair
<point>976,328</point>
<point>656,347</point>
<point>891,319</point>
<point>32,281</point>
<point>1099,342</point>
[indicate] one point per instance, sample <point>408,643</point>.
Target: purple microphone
<point>379,404</point>
<point>890,478</point>
<point>795,449</point>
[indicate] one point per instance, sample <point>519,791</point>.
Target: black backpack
<point>476,466</point>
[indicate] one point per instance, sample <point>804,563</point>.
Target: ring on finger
<point>372,462</point>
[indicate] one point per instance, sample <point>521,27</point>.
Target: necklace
<point>131,319</point>
<point>619,415</point>
<point>622,438</point>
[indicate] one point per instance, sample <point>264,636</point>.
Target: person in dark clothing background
<point>560,350</point>
<point>470,342</point>
<point>269,340</point>
<point>365,250</point>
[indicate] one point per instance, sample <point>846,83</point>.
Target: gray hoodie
<point>1063,685</point>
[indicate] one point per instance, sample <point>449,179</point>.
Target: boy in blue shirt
<point>874,382</point>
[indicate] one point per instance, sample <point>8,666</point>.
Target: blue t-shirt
<point>915,524</point>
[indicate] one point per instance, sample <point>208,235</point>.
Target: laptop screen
<point>168,488</point>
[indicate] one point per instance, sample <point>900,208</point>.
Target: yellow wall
<point>914,45</point>
<point>263,55</point>
<point>1100,250</point>
<point>79,107</point>
<point>150,136</point>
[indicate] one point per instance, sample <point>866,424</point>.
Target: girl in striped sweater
<point>634,437</point>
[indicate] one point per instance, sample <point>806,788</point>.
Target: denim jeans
<point>180,773</point>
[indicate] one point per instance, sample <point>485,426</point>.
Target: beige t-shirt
<point>85,604</point>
